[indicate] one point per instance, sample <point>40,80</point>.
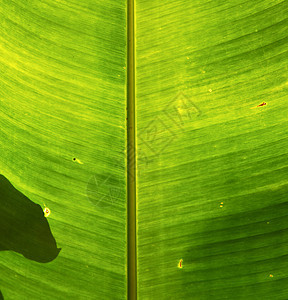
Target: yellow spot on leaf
<point>271,275</point>
<point>210,90</point>
<point>180,265</point>
<point>46,211</point>
<point>260,105</point>
<point>77,160</point>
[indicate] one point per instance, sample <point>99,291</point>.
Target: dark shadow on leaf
<point>23,227</point>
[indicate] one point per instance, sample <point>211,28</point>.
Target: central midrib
<point>131,157</point>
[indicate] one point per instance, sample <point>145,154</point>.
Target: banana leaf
<point>62,149</point>
<point>211,149</point>
<point>212,131</point>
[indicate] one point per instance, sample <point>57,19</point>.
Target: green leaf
<point>211,149</point>
<point>62,143</point>
<point>212,185</point>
